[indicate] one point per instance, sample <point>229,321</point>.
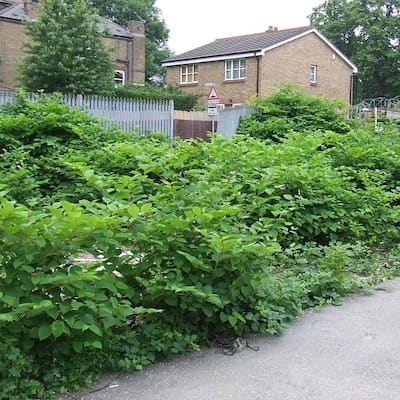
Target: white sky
<point>194,23</point>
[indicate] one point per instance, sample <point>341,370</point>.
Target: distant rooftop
<point>16,12</point>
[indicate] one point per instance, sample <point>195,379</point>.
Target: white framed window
<point>235,69</point>
<point>189,73</point>
<point>119,77</point>
<point>313,74</point>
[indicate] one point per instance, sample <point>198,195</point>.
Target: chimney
<point>275,28</point>
<point>136,27</point>
<point>137,52</point>
<point>270,28</point>
<point>31,8</point>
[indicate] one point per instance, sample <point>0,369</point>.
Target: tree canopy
<point>122,11</point>
<point>66,52</point>
<point>368,32</point>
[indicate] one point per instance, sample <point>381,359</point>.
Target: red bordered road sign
<point>213,95</point>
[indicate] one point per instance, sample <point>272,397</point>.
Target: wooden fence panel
<point>190,129</point>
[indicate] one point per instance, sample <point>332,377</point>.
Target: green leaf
<point>134,211</point>
<point>146,208</point>
<point>232,320</point>
<point>58,328</point>
<point>96,330</point>
<point>45,331</point>
<point>207,309</point>
<point>171,300</point>
<point>95,344</point>
<point>9,317</point>
<point>77,346</point>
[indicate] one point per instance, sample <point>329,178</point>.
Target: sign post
<point>212,102</point>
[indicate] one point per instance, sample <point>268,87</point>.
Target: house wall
<point>11,39</point>
<point>119,48</point>
<point>235,91</point>
<point>287,63</point>
<point>291,63</point>
<point>128,54</point>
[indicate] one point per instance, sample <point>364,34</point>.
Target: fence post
<point>171,120</point>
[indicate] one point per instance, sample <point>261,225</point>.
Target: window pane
<point>189,73</point>
<point>313,73</point>
<point>235,69</point>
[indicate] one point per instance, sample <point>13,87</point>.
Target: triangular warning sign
<point>212,94</point>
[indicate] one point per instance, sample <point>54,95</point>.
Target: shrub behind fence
<point>127,114</point>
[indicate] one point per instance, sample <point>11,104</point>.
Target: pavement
<point>347,352</point>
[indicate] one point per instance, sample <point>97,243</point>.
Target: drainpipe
<point>129,57</point>
<point>258,75</point>
<point>351,89</point>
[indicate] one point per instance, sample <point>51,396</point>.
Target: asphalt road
<point>350,352</point>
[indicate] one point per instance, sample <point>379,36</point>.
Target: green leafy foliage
<point>35,136</point>
<point>140,250</point>
<point>289,109</point>
<point>66,53</point>
<point>368,33</point>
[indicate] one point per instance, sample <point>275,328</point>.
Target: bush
<point>289,109</point>
<point>182,101</point>
<point>36,139</point>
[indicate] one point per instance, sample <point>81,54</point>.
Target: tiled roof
<point>241,44</point>
<point>16,12</point>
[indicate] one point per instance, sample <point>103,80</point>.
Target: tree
<point>66,52</point>
<point>122,11</point>
<point>368,32</point>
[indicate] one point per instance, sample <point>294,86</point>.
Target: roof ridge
<point>268,31</point>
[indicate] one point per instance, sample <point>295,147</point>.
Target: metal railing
<point>127,114</point>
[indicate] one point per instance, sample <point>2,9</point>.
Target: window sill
<point>234,81</point>
<point>189,84</point>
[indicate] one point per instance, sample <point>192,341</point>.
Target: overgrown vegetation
<point>134,250</point>
<point>290,109</point>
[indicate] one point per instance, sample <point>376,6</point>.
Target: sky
<point>194,23</point>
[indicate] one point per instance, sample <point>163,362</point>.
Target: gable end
<point>323,38</point>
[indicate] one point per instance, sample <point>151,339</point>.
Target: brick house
<point>254,65</point>
<point>128,45</point>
